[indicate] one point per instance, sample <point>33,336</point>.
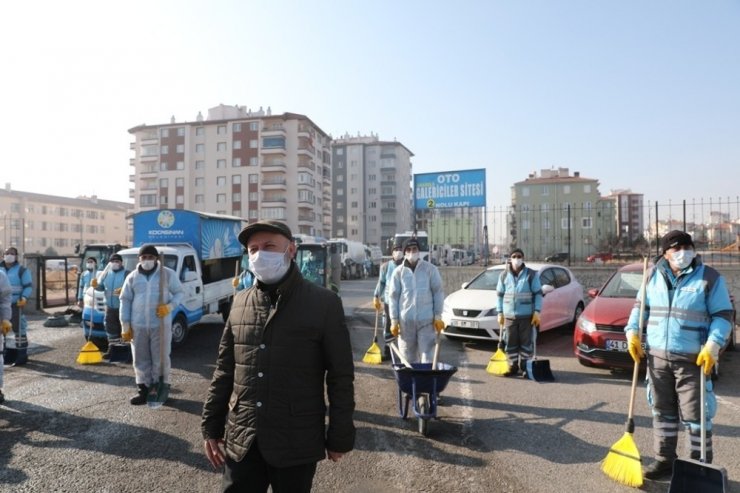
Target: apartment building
<point>49,224</point>
<point>630,215</point>
<point>240,162</point>
<point>558,212</point>
<point>371,183</point>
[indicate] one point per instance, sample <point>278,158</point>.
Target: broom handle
<point>161,321</point>
<point>636,370</point>
<point>375,331</point>
<point>703,414</point>
<point>435,359</point>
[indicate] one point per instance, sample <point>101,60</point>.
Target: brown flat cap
<point>269,226</point>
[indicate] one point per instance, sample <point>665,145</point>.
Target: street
<point>69,427</point>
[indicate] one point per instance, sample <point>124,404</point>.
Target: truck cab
<point>319,263</point>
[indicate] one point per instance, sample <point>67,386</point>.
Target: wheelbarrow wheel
<point>423,403</point>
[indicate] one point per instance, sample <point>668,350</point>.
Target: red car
<point>599,258</point>
<point>599,338</point>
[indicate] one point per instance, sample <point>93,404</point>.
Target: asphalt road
<point>69,427</point>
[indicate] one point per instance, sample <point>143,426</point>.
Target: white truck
<point>201,248</point>
<point>352,255</point>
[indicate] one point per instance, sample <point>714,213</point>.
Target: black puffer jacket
<point>273,364</point>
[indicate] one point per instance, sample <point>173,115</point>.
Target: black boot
<point>140,398</point>
<point>659,469</point>
<point>22,357</point>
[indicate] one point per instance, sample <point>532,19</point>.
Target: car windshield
<point>623,285</point>
<point>486,280</point>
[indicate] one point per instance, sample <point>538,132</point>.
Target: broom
<point>373,356</point>
<point>622,463</point>
<point>498,364</point>
<point>90,354</point>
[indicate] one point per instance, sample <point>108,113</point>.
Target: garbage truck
<point>204,251</point>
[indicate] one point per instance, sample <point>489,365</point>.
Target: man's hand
<point>376,303</point>
<point>215,452</point>
<point>235,282</point>
<point>634,345</point>
<point>163,310</point>
<point>536,319</point>
<point>21,302</point>
<point>501,320</point>
<point>395,329</point>
<point>6,326</point>
<point>94,283</point>
<point>128,333</point>
<point>117,292</point>
<point>708,356</point>
<point>439,325</point>
<point>334,456</point>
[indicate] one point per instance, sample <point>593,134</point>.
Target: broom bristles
<point>622,463</point>
<point>498,364</point>
<point>90,354</point>
<point>373,356</point>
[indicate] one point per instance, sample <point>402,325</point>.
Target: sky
<point>638,95</point>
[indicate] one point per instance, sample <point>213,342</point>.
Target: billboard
<point>450,189</point>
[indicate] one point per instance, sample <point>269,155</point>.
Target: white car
<point>470,313</point>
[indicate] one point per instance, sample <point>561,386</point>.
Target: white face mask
<point>680,259</point>
<point>9,259</point>
<point>269,267</point>
<point>115,266</point>
<point>516,263</point>
<point>412,257</point>
<point>397,255</point>
<point>90,265</point>
<point>148,264</point>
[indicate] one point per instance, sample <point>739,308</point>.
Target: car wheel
<point>179,330</point>
<point>576,314</point>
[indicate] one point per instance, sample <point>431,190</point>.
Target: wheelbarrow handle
<point>400,356</point>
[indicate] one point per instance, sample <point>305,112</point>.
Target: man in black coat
<point>284,346</point>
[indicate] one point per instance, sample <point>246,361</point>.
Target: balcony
<point>132,178</point>
<point>304,130</point>
<point>273,131</point>
<point>131,193</point>
<point>273,151</point>
<point>273,201</point>
<point>307,165</point>
<point>306,151</point>
<point>274,183</point>
<point>273,165</point>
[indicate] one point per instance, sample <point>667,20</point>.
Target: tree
<point>50,252</point>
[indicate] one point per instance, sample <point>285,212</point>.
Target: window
<point>162,200</point>
<point>200,148</point>
<point>179,199</point>
<point>340,164</point>
<point>253,144</point>
<point>253,196</point>
<point>220,181</point>
<point>273,213</point>
<point>525,191</point>
<point>162,166</point>
<point>525,223</point>
<point>237,144</point>
<point>339,205</point>
<point>149,151</point>
<point>221,163</point>
<point>200,199</point>
<point>180,165</point>
<point>254,126</point>
<point>163,182</point>
<point>586,223</point>
<point>340,151</point>
<point>564,223</point>
<point>221,146</point>
<point>236,179</point>
<point>253,161</point>
<point>566,189</point>
<point>200,182</point>
<point>587,188</point>
<point>236,127</point>
<point>236,162</point>
<point>353,205</point>
<point>179,182</point>
<point>164,132</point>
<point>253,214</point>
<point>546,223</point>
<point>221,130</point>
<point>164,150</point>
<point>253,178</point>
<point>200,164</point>
<point>545,190</point>
<point>220,198</point>
<point>271,143</point>
<point>180,148</point>
<point>200,131</point>
<point>340,178</point>
<point>181,132</point>
<point>236,197</point>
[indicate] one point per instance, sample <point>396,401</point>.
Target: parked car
<point>599,258</point>
<point>470,313</point>
<point>599,338</point>
<point>557,257</point>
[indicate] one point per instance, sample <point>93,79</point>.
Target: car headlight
<point>488,313</point>
<point>586,325</point>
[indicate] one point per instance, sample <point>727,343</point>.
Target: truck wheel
<point>179,330</point>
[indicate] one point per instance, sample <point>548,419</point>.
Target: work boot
<point>513,371</point>
<point>22,357</point>
<point>140,398</point>
<point>106,354</point>
<point>659,469</point>
<point>2,397</point>
<point>387,353</point>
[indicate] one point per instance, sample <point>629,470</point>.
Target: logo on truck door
<point>166,219</point>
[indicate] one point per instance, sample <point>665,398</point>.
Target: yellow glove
<point>21,302</point>
<point>94,283</point>
<point>117,292</point>
<point>127,334</point>
<point>6,326</point>
<point>395,329</point>
<point>163,310</point>
<point>635,347</point>
<point>536,319</point>
<point>439,325</point>
<point>376,303</point>
<point>501,320</point>
<point>708,357</point>
<point>235,282</point>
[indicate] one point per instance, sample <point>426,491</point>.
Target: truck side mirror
<point>189,276</point>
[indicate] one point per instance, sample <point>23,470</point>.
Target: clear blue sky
<point>640,95</point>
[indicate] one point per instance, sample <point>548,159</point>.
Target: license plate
<point>468,324</point>
<point>619,345</point>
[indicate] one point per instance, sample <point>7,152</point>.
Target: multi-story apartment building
<point>250,164</point>
<point>558,212</point>
<point>371,189</point>
<point>49,224</point>
<point>630,215</point>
